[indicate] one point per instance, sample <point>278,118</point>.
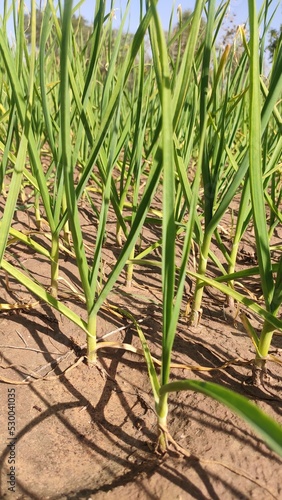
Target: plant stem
<point>130,269</point>
<point>91,339</point>
<point>162,411</point>
<point>243,217</point>
<point>196,308</point>
<point>67,232</point>
<point>265,339</point>
<point>231,269</point>
<point>37,211</point>
<point>54,264</point>
<point>262,353</point>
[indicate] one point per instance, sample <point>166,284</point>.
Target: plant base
<point>167,444</point>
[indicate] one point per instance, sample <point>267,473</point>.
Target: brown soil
<point>90,432</point>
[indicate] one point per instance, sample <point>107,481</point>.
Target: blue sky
<point>238,10</point>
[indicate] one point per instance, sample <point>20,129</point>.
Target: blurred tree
<point>81,27</point>
<point>27,25</point>
<point>178,37</point>
<point>275,37</point>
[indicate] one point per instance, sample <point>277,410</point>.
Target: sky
<point>238,10</point>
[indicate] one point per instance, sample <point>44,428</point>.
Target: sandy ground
<point>89,432</point>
